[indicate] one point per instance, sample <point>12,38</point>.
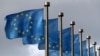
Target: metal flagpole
<point>88,39</point>
<point>60,20</point>
<point>99,51</point>
<point>94,44</point>
<point>72,37</point>
<point>81,50</point>
<point>46,5</point>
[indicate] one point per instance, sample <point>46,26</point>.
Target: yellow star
<point>53,46</point>
<point>30,27</point>
<point>26,15</point>
<point>14,24</point>
<point>30,17</point>
<point>16,28</point>
<point>31,22</point>
<point>39,39</point>
<point>19,31</point>
<point>17,16</point>
<point>57,45</point>
<point>22,14</point>
<point>49,45</point>
<point>15,19</point>
<point>32,36</point>
<point>66,51</point>
<point>23,32</point>
<point>27,30</point>
<point>42,38</point>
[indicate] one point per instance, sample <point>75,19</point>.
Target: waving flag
<point>30,39</point>
<point>92,52</point>
<point>54,41</point>
<point>24,23</point>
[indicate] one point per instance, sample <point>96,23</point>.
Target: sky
<point>86,14</point>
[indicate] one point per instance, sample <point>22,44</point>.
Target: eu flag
<point>24,23</point>
<point>29,39</point>
<point>92,52</point>
<point>66,52</point>
<point>77,48</point>
<point>54,41</point>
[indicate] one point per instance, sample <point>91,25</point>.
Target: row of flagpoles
<point>31,28</point>
<point>47,5</point>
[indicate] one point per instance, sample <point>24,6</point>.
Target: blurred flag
<point>53,53</point>
<point>24,23</point>
<point>54,41</point>
<point>30,39</point>
<point>92,52</point>
<point>77,49</point>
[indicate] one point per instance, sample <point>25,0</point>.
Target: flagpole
<point>88,39</point>
<point>72,37</point>
<point>60,44</point>
<point>94,44</point>
<point>46,5</point>
<point>81,50</point>
<point>99,51</point>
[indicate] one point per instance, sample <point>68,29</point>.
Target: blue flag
<point>54,40</point>
<point>77,47</point>
<point>66,52</point>
<point>92,52</point>
<point>24,23</point>
<point>35,39</point>
<point>53,53</point>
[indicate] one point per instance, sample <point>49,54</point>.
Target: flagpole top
<point>61,14</point>
<point>72,23</point>
<point>46,4</point>
<point>98,48</point>
<point>80,30</point>
<point>88,37</point>
<point>94,43</point>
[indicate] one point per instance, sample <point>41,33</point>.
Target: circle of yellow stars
<point>23,15</point>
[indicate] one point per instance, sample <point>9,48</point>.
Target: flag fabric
<point>85,52</point>
<point>25,23</point>
<point>77,47</point>
<point>54,41</point>
<point>92,52</point>
<point>36,39</point>
<point>53,53</point>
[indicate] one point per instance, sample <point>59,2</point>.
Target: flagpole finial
<point>98,48</point>
<point>72,23</point>
<point>47,4</point>
<point>80,30</point>
<point>94,43</point>
<point>88,37</point>
<point>61,14</point>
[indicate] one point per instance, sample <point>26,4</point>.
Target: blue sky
<point>86,14</point>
